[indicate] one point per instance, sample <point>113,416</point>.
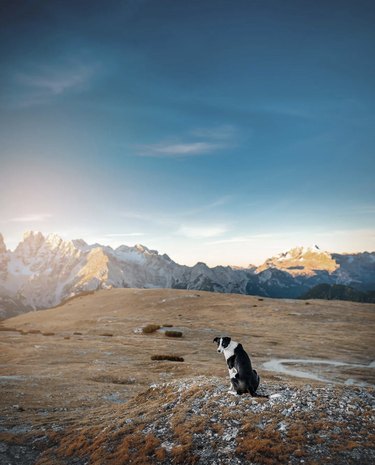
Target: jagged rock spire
<point>3,248</point>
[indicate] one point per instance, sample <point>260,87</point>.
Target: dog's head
<point>222,343</point>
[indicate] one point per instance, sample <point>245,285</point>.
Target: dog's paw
<point>232,372</point>
<point>234,393</point>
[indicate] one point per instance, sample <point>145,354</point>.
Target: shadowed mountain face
<point>338,292</point>
<point>44,271</point>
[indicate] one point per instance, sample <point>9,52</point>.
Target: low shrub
<point>167,326</point>
<point>173,333</point>
<point>170,358</point>
<point>106,334</point>
<point>76,333</point>
<point>150,329</point>
<point>48,334</point>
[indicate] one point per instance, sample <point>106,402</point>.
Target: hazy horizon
<point>212,131</point>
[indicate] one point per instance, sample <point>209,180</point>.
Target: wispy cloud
<point>221,132</point>
<point>200,141</point>
<point>40,84</point>
<point>173,219</point>
<point>366,209</point>
<point>246,239</point>
<point>52,82</point>
<point>31,218</point>
<point>134,234</point>
<point>219,202</point>
<point>201,231</point>
<point>178,150</point>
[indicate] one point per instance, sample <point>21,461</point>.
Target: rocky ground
<point>78,385</point>
<point>196,421</point>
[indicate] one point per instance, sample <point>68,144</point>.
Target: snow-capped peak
<point>303,250</point>
<point>32,236</point>
<point>53,240</point>
<point>31,243</point>
<point>302,261</point>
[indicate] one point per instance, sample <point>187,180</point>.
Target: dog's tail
<point>255,394</point>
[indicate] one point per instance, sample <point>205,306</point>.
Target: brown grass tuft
<point>267,447</point>
<point>184,456</point>
<point>136,449</point>
<point>173,333</point>
<point>150,329</point>
<point>170,358</point>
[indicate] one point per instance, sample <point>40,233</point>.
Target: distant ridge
<point>44,271</point>
<point>338,292</point>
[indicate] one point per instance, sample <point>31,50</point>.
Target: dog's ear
<point>217,339</point>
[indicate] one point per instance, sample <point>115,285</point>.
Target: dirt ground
<point>57,364</point>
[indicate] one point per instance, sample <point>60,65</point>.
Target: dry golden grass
<point>273,329</point>
<point>92,368</point>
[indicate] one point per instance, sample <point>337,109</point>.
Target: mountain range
<point>44,271</point>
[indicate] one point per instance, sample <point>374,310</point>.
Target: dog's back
<point>246,379</point>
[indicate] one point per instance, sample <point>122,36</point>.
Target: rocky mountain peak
<point>302,260</point>
<point>54,241</point>
<point>79,243</point>
<point>143,249</point>
<point>30,236</point>
<point>3,248</point>
<point>302,251</point>
<point>31,243</point>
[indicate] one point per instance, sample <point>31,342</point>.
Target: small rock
<point>3,447</point>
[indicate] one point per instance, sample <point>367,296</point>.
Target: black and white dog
<point>242,376</point>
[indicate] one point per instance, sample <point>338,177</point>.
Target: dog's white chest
<point>229,350</point>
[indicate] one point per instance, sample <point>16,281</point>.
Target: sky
<point>218,131</point>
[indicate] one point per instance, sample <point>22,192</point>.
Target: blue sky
<point>216,131</point>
